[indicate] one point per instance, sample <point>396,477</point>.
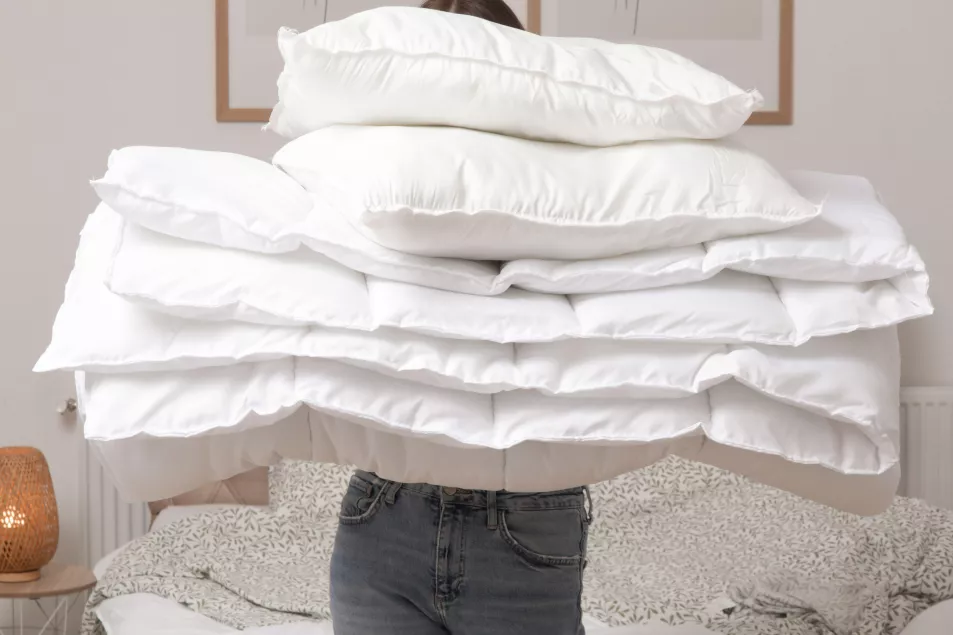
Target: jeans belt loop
<point>492,518</point>
<point>391,496</point>
<point>589,513</point>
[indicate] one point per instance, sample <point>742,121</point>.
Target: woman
<point>415,559</point>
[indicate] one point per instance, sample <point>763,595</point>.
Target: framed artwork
<point>751,42</point>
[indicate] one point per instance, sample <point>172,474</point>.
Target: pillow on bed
<point>398,65</point>
<point>449,192</point>
<point>305,488</point>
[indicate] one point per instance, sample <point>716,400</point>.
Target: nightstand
<point>65,582</point>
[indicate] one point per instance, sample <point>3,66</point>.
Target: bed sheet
<point>145,614</point>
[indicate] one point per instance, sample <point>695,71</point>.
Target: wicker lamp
<point>29,524</point>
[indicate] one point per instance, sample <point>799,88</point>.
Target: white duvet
<point>187,349</point>
<point>521,417</point>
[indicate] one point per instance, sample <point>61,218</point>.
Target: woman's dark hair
<point>493,10</point>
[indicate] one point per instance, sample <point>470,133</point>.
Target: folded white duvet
<point>193,280</point>
<point>150,468</point>
<point>99,331</point>
<point>831,402</point>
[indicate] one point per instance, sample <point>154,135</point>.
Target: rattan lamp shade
<point>29,524</point>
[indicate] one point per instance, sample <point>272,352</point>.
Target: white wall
<point>77,79</point>
<point>874,97</point>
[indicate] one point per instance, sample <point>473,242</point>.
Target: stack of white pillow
<point>490,260</point>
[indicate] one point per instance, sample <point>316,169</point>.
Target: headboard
<point>248,488</point>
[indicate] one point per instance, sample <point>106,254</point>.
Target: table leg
<point>51,618</point>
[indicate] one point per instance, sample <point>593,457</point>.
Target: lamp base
<point>19,577</point>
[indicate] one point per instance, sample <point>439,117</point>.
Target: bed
<point>675,545</point>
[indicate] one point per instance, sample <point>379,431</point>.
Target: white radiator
<point>926,435</point>
<point>110,522</point>
<point>926,415</point>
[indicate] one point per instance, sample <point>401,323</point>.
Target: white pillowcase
<point>192,195</point>
<point>400,66</point>
<point>449,192</point>
<point>140,613</point>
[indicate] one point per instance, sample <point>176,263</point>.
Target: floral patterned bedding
<point>674,543</point>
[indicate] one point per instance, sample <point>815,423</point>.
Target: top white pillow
<point>405,66</point>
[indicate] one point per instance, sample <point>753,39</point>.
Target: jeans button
<point>450,491</point>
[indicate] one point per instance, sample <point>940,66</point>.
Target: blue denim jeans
<point>427,560</point>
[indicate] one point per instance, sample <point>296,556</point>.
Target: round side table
<point>64,582</point>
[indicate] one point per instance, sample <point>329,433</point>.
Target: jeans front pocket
<point>362,500</point>
<point>549,538</point>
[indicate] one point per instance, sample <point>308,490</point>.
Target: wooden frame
<point>784,116</point>
<point>223,111</point>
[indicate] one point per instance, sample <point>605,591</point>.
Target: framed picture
<point>247,61</point>
<point>751,42</point>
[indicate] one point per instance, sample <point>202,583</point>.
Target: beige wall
<point>874,97</point>
<point>80,78</point>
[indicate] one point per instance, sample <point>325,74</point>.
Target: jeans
<point>425,560</point>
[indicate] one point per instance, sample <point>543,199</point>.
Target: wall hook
<point>67,407</point>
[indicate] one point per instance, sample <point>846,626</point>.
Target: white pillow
<point>138,613</point>
<point>212,197</point>
<point>931,621</point>
<point>398,65</point>
<point>191,194</point>
<point>449,192</point>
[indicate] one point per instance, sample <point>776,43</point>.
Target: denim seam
<point>366,516</point>
<point>529,554</point>
<point>463,560</point>
<point>502,504</point>
<point>438,598</point>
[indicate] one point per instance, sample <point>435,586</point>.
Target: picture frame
<point>533,12</point>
